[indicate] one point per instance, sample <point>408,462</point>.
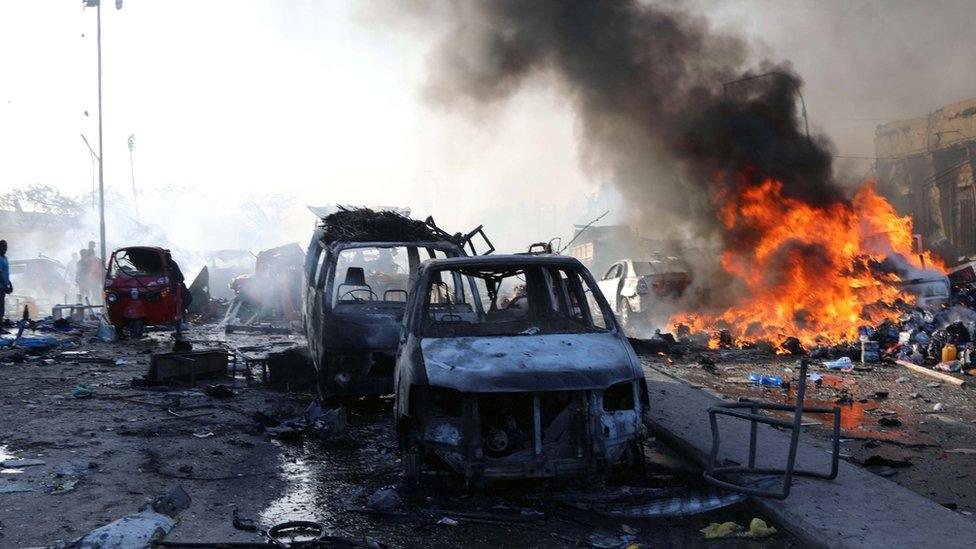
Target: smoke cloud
<point>653,116</point>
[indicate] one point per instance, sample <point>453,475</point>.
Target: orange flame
<point>809,273</point>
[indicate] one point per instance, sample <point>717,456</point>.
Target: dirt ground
<point>107,455</point>
<point>932,453</point>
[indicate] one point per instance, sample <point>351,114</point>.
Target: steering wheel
<point>354,290</point>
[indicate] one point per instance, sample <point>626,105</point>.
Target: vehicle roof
<point>155,248</point>
<point>502,259</point>
<point>435,244</point>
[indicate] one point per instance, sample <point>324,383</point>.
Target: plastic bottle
<point>769,381</point>
<point>948,352</point>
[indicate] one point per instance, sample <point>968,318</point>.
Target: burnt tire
<point>136,328</point>
<point>411,462</point>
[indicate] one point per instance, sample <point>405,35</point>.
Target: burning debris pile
<point>811,273</point>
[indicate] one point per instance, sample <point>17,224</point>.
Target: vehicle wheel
<point>137,327</point>
<point>410,460</point>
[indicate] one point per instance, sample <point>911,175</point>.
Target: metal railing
<point>737,410</point>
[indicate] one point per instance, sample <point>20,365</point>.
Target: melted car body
<point>513,367</point>
<point>355,296</point>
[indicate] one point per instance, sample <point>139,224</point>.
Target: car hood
<point>559,362</point>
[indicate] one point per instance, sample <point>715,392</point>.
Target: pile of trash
<point>942,339</point>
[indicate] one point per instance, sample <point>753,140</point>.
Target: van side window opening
<point>509,300</point>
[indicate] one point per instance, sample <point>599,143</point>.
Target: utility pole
<point>132,174</point>
<point>101,150</point>
<point>97,4</point>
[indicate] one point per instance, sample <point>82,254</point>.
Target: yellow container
<point>948,353</point>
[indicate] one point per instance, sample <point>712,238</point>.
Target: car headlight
<point>111,297</point>
<point>134,293</point>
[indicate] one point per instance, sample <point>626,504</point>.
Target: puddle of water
<point>299,496</point>
<point>4,456</point>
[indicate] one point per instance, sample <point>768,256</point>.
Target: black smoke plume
<point>646,83</point>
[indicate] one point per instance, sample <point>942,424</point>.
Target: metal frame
<point>735,409</point>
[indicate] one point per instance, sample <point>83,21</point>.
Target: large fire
<point>811,272</point>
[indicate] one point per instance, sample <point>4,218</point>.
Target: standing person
<point>8,288</point>
<point>81,274</point>
<point>95,274</point>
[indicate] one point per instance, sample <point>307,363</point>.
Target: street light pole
<point>101,152</point>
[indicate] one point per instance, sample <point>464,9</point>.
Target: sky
<point>246,103</point>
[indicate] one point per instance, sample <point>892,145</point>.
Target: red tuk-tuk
<point>144,287</point>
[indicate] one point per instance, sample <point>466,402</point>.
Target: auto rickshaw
<point>144,287</point>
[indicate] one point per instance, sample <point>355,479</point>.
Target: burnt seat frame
<point>714,472</point>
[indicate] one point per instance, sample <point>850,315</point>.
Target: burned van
<point>513,367</point>
<point>359,268</point>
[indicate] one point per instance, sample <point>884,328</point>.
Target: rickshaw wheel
<point>136,328</point>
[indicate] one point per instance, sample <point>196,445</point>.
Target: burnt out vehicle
<point>513,367</point>
<point>359,268</point>
<point>634,286</point>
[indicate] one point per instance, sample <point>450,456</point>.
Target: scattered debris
<point>844,364</point>
<point>384,499</point>
<point>245,524</point>
<point>757,529</point>
<point>14,488</point>
<point>64,487</point>
<point>187,366</point>
<point>768,381</point>
<point>325,423</point>
<point>18,463</point>
<point>218,391</point>
<point>139,529</point>
<point>930,373</point>
<point>881,461</point>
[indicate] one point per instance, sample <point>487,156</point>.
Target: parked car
<point>633,286</point>
<point>513,367</point>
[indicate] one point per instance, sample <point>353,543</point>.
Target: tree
<point>42,199</point>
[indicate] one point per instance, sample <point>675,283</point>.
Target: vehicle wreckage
<point>358,270</point>
<point>514,367</point>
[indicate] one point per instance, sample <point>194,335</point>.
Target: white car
<point>632,286</point>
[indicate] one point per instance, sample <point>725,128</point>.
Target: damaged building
<point>925,168</point>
